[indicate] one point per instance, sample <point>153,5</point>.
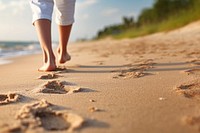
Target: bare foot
<point>49,63</point>
<point>47,67</point>
<point>63,57</point>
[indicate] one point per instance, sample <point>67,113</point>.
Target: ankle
<point>51,59</point>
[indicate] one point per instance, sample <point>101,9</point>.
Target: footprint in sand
<point>190,89</point>
<point>8,98</point>
<point>130,71</point>
<point>129,74</point>
<point>49,76</point>
<point>58,87</point>
<point>42,115</point>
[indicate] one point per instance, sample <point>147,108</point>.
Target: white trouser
<point>64,9</point>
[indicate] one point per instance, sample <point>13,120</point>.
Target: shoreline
<point>5,61</point>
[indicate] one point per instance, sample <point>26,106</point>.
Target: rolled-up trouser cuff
<point>64,10</point>
<point>35,18</point>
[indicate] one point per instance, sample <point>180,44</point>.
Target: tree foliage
<point>160,11</point>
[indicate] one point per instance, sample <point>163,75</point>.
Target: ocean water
<point>10,49</point>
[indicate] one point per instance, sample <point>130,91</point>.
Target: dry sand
<point>145,85</point>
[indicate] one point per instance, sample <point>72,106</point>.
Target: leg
<point>43,28</point>
<point>42,13</point>
<point>64,33</point>
<point>65,19</point>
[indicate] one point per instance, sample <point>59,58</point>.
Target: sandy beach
<point>149,84</point>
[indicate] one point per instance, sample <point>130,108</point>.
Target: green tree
<point>147,16</point>
<point>128,21</point>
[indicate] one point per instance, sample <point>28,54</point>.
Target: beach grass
<point>173,22</point>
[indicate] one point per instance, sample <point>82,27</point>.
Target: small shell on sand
<point>162,98</point>
<point>91,100</point>
<point>93,109</point>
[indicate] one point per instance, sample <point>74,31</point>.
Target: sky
<point>90,17</point>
